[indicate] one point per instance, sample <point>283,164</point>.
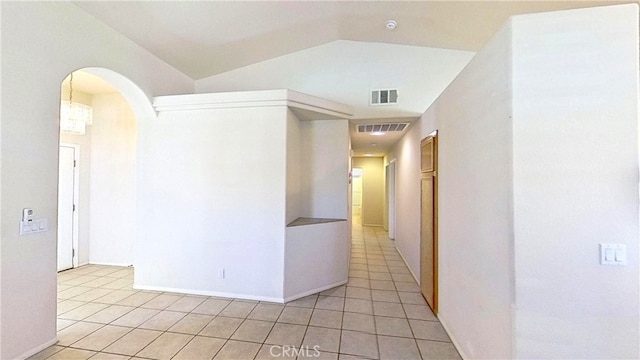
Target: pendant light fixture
<point>74,117</point>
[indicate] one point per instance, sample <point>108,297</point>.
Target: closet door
<point>428,222</point>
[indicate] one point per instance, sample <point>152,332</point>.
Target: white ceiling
<point>206,38</point>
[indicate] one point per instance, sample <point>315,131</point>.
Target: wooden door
<point>428,222</point>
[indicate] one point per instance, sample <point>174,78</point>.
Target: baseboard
<point>407,265</point>
<point>109,264</point>
<point>314,291</point>
<point>373,225</point>
<point>37,349</point>
<point>210,293</point>
<point>453,340</point>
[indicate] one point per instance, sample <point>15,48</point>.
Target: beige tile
<point>107,356</point>
<point>187,303</point>
<point>101,338</point>
<point>161,301</point>
<point>388,309</point>
<point>276,352</point>
<point>428,330</point>
<point>266,312</point>
<point>358,293</point>
<point>124,272</point>
<point>358,306</point>
<point>357,343</point>
<point>163,320</point>
<point>239,309</point>
<point>98,282</point>
<point>339,291</point>
<point>378,268</point>
<point>357,266</point>
<point>135,317</point>
<point>68,305</point>
<point>165,346</point>
<point>286,334</point>
<point>363,274</point>
<point>133,342</point>
<point>380,276</point>
<point>253,330</point>
<point>393,326</point>
<point>407,286</point>
<point>46,353</point>
<point>318,355</point>
<point>92,294</point>
<point>76,332</point>
<point>211,306</point>
<point>79,280</point>
<point>330,303</point>
<point>221,327</point>
<point>322,339</point>
<point>123,283</point>
<point>382,285</point>
<point>107,270</point>
<point>115,296</point>
<point>438,350</point>
<point>412,298</point>
<point>305,302</point>
<point>71,354</point>
<point>64,323</point>
<point>419,312</point>
<point>72,292</point>
<point>191,324</point>
<point>399,270</point>
<point>359,282</point>
<point>138,298</point>
<point>82,311</point>
<point>200,348</point>
<point>358,322</point>
<point>109,314</point>
<point>295,315</point>
<point>234,350</point>
<point>326,318</point>
<point>402,277</point>
<point>393,348</point>
<point>385,295</point>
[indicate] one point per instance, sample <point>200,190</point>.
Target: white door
<point>66,207</point>
<point>391,198</point>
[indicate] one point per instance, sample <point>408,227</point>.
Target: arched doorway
<point>98,169</point>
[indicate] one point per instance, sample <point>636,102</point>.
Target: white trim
<point>108,264</point>
<point>37,349</point>
<point>407,265</point>
<point>453,340</point>
<point>314,291</point>
<point>209,293</point>
<point>76,201</point>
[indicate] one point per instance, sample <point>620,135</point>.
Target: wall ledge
<point>305,106</point>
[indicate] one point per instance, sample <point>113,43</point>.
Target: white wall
<point>113,181</point>
<point>345,71</point>
<point>325,168</point>
<point>575,176</point>
<point>214,189</point>
<point>538,155</point>
<point>42,42</point>
<point>372,189</point>
<point>294,168</point>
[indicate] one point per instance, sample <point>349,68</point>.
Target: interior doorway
<point>67,196</point>
<point>356,195</point>
<point>390,175</point>
<point>429,221</point>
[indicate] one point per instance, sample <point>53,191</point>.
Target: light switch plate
<point>613,254</point>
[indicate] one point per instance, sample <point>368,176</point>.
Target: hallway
<point>379,314</point>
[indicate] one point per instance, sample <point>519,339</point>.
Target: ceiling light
<point>377,133</point>
<point>368,154</point>
<point>74,117</point>
<point>391,24</point>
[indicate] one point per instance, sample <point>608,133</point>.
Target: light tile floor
<point>379,314</point>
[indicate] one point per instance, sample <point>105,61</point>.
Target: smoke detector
<point>391,24</point>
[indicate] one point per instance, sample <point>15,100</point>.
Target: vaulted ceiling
<point>203,38</point>
<point>219,38</point>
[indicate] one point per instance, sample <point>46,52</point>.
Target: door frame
<point>433,173</point>
<point>390,173</point>
<point>76,193</point>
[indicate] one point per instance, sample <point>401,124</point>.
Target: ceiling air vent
<point>381,128</point>
<point>384,97</point>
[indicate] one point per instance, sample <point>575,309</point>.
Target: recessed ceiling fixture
<point>391,24</point>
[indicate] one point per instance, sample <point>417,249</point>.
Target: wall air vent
<point>381,128</point>
<point>383,97</point>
